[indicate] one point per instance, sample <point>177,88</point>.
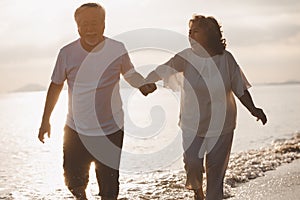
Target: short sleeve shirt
<point>208,106</point>
<point>95,106</point>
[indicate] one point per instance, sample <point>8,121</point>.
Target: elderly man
<point>92,66</point>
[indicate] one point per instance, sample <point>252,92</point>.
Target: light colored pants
<point>216,151</point>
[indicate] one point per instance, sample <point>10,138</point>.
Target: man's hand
<point>45,128</point>
<point>51,99</point>
<point>147,88</point>
<point>260,115</point>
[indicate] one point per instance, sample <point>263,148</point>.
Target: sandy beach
<point>279,184</point>
<point>272,172</point>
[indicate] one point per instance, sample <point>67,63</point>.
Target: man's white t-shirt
<point>208,106</point>
<point>95,106</point>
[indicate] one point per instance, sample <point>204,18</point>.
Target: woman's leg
<point>193,163</point>
<point>216,164</point>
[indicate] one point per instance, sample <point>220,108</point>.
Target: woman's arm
<point>247,101</point>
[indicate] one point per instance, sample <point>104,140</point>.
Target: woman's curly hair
<point>212,30</point>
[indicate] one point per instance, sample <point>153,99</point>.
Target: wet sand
<point>272,172</point>
<point>283,183</point>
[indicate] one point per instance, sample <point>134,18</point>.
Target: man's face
<point>91,26</point>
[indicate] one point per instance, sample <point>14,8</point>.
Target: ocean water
<point>32,170</point>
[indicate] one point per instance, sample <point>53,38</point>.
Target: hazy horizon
<point>263,36</point>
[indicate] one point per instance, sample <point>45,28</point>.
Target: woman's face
<point>197,37</point>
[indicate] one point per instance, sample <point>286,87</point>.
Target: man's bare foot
<point>79,193</point>
<point>199,194</point>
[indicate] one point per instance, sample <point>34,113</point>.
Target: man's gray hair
<point>83,7</point>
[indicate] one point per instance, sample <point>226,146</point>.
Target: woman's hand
<point>260,115</point>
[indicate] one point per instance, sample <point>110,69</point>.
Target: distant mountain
<point>124,84</point>
<point>288,83</point>
<point>30,88</point>
<point>280,83</point>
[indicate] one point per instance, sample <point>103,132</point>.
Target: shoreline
<point>246,168</point>
<point>282,183</point>
<point>271,172</point>
<point>249,174</point>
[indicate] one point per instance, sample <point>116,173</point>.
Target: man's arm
<point>51,99</point>
<point>134,78</point>
<point>247,101</point>
<point>153,77</point>
<point>137,80</point>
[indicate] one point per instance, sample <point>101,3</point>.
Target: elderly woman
<point>211,78</point>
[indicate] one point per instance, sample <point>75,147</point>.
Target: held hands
<point>147,88</point>
<point>260,115</point>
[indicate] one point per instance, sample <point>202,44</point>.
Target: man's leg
<point>76,164</point>
<point>79,192</point>
<point>106,151</point>
<point>108,180</point>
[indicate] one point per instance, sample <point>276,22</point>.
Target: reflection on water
<point>32,170</point>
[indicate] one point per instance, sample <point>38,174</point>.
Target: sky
<point>264,36</point>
